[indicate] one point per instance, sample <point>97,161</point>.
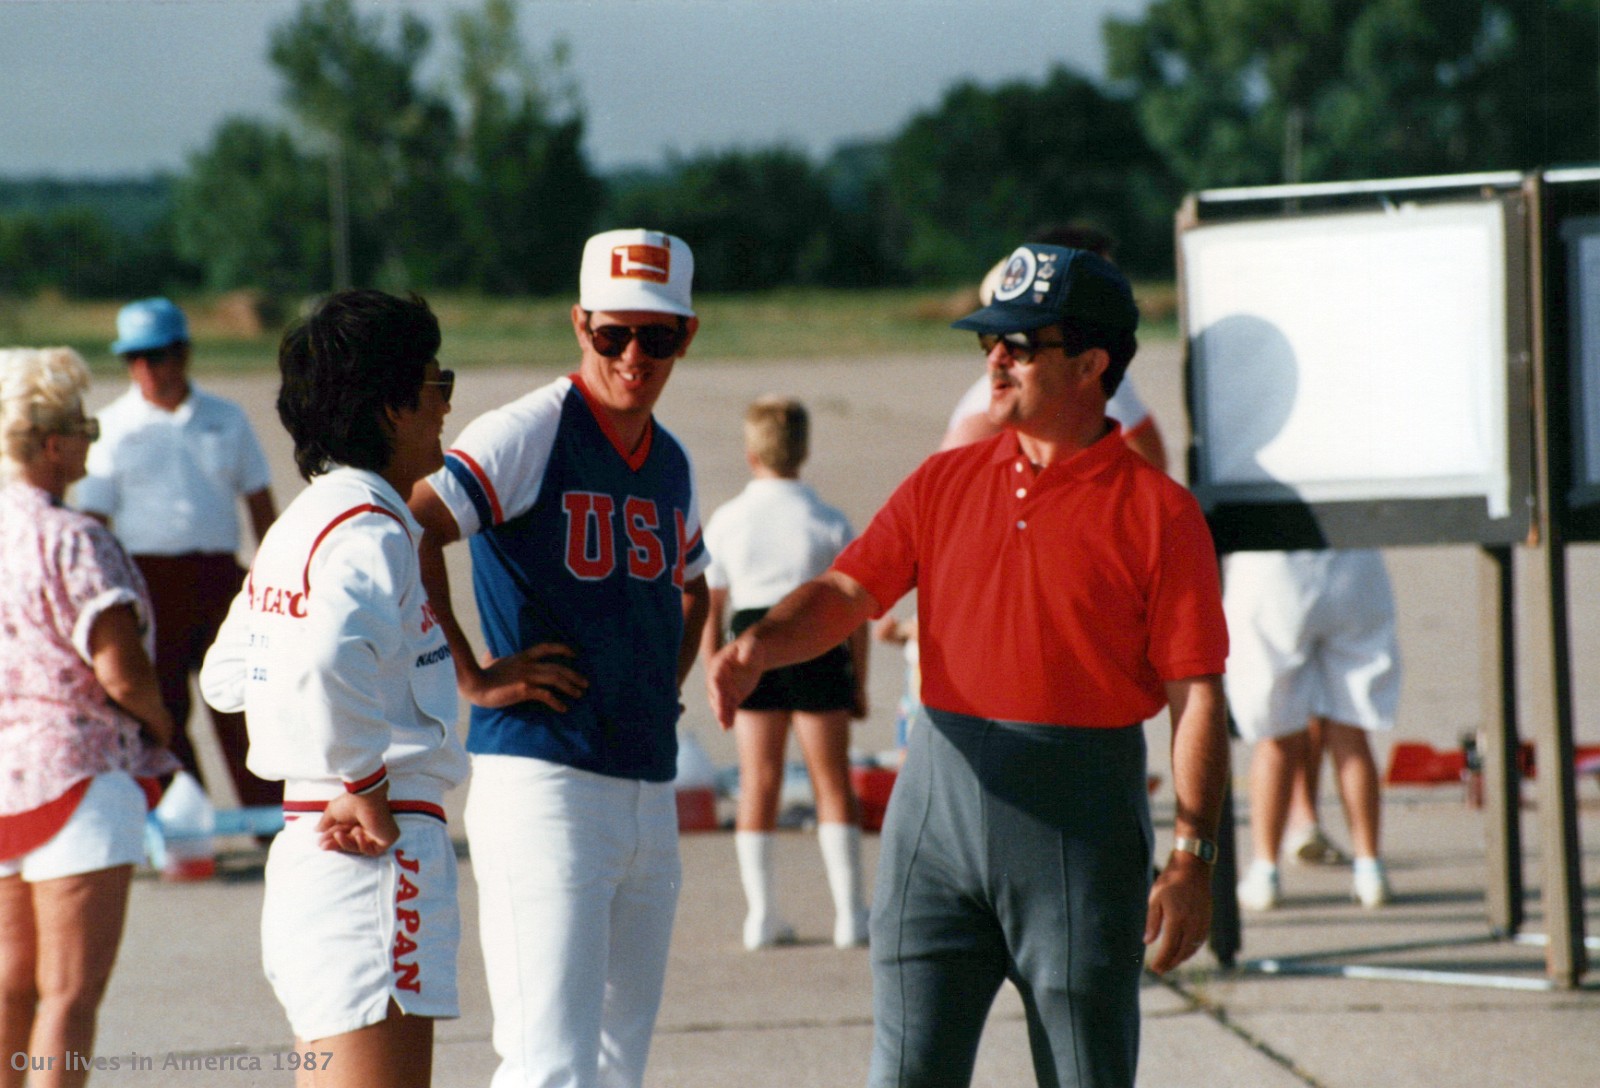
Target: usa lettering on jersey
<point>591,549</point>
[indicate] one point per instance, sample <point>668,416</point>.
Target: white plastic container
<point>183,844</point>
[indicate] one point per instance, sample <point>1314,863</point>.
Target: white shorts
<point>578,877</point>
<point>1311,634</point>
<point>104,831</point>
<point>343,934</point>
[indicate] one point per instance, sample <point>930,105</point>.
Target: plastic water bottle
<point>186,825</point>
<point>695,785</point>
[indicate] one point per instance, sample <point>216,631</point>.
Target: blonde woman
<point>81,722</point>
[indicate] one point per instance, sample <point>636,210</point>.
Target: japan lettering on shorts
<point>408,926</point>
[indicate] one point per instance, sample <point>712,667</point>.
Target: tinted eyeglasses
<point>89,428</point>
<point>656,341</point>
<point>446,381</point>
<point>1021,346</point>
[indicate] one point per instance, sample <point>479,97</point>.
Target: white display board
<point>1351,357</point>
<point>1582,237</point>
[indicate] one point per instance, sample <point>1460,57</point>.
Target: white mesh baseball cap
<point>636,270</point>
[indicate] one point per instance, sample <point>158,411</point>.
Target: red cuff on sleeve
<point>369,783</point>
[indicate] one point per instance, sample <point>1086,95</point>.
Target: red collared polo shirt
<point>1069,596</point>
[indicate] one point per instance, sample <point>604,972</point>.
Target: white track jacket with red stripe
<point>333,654</point>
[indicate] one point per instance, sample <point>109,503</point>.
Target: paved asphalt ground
<point>188,992</point>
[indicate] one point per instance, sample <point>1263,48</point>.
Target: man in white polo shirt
<point>167,474</point>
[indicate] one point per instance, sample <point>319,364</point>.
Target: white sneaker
<point>1259,889</point>
<point>850,931</point>
<point>1309,845</point>
<point>1370,887</point>
<point>766,932</point>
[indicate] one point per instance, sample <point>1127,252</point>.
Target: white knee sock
<point>761,925</point>
<point>841,857</point>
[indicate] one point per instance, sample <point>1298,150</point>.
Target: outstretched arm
<point>815,617</point>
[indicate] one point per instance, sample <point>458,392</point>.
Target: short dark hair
<point>355,355</point>
<point>1078,337</point>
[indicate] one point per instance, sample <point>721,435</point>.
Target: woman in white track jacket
<point>349,694</point>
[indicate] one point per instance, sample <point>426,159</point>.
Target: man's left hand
<point>1179,921</point>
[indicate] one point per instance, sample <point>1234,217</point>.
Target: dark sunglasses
<point>656,341</point>
<point>153,356</point>
<point>446,381</point>
<point>89,428</point>
<point>1021,346</point>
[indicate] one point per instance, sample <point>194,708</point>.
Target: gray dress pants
<point>1012,851</point>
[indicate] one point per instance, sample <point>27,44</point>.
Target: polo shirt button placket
<point>1021,494</point>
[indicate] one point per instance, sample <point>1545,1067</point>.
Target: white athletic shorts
<point>1311,634</point>
<point>342,934</point>
<point>104,831</point>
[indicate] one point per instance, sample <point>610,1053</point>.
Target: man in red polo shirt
<point>1066,591</point>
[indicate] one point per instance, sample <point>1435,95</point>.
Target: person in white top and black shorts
<point>771,538</point>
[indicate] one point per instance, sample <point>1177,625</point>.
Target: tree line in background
<point>482,182</point>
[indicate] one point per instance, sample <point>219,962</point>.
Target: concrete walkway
<point>189,986</point>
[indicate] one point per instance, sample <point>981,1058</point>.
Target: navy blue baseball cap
<point>149,324</point>
<point>1046,285</point>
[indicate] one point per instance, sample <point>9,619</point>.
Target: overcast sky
<point>111,87</point>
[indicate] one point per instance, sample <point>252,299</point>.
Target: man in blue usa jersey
<point>587,567</point>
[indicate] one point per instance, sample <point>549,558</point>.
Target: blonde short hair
<point>777,433</point>
<point>41,391</point>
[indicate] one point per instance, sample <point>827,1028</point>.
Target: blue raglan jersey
<point>574,541</point>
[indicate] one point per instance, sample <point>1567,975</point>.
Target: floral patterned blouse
<point>59,571</point>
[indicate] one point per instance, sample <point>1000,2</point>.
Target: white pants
<point>578,878</point>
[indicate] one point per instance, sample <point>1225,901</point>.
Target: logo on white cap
<point>653,263</point>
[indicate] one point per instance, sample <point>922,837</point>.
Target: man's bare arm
<point>519,677</point>
<point>696,603</point>
<point>1179,918</point>
<point>815,617</point>
<point>711,632</point>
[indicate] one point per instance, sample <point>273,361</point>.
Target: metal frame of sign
<point>1553,495</point>
<point>1269,522</point>
<point>1571,202</point>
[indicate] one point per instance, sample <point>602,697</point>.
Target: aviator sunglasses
<point>656,341</point>
<point>1021,346</point>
